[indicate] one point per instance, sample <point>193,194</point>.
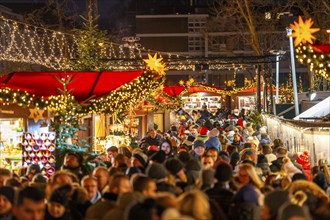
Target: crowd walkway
<point>207,166</point>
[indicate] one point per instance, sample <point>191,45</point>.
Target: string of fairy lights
<point>25,43</point>
<point>116,102</point>
<point>318,63</point>
<point>52,49</point>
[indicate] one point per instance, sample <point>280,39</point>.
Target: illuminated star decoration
<point>190,82</point>
<point>155,64</point>
<point>36,114</point>
<point>303,31</point>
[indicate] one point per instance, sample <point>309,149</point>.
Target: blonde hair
<point>254,178</point>
<point>326,172</point>
<point>195,204</point>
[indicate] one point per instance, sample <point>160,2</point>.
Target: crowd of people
<point>209,166</point>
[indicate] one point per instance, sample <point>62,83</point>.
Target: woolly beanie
<point>203,131</point>
<point>156,171</point>
<point>60,195</point>
<point>184,156</point>
<point>189,141</point>
<point>158,156</point>
<point>173,165</point>
<point>213,142</point>
<point>223,172</point>
<point>213,133</point>
<point>199,143</point>
<point>141,157</point>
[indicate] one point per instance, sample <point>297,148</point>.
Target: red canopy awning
<point>321,48</point>
<point>84,85</point>
<point>173,90</point>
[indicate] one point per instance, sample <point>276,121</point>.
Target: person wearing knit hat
<point>220,192</point>
<point>189,141</point>
<point>303,160</point>
<point>199,149</point>
<point>151,150</point>
<point>207,179</point>
<point>73,162</point>
<point>203,130</point>
<point>7,196</point>
<point>159,173</point>
<point>57,206</point>
<point>174,166</point>
<point>184,156</point>
<point>290,211</point>
<point>254,142</point>
<point>158,156</point>
<point>140,160</point>
<point>156,171</point>
<point>213,140</point>
<point>223,172</point>
<point>208,124</point>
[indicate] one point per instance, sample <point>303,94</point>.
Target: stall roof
<point>83,85</point>
<point>321,109</point>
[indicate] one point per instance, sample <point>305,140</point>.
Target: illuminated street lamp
<point>278,53</point>
<point>293,68</point>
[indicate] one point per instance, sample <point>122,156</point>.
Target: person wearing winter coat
<point>213,140</point>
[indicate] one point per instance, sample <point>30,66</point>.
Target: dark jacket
<point>67,216</point>
<point>153,141</point>
<point>80,171</point>
<point>101,207</point>
<point>221,196</point>
<point>276,165</point>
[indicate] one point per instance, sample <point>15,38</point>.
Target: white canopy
<point>321,109</point>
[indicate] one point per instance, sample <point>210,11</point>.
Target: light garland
<point>319,63</point>
<point>25,43</point>
<point>117,101</point>
<point>59,51</point>
<point>286,91</point>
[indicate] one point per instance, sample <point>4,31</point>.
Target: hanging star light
<point>303,32</point>
<point>155,64</point>
<point>36,114</point>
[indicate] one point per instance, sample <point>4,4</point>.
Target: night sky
<point>113,13</point>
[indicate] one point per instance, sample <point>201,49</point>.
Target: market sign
<point>8,112</point>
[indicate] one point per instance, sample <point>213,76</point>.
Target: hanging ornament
<point>155,64</point>
<point>303,32</point>
<point>36,114</point>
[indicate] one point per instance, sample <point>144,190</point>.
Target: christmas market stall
<point>60,101</point>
